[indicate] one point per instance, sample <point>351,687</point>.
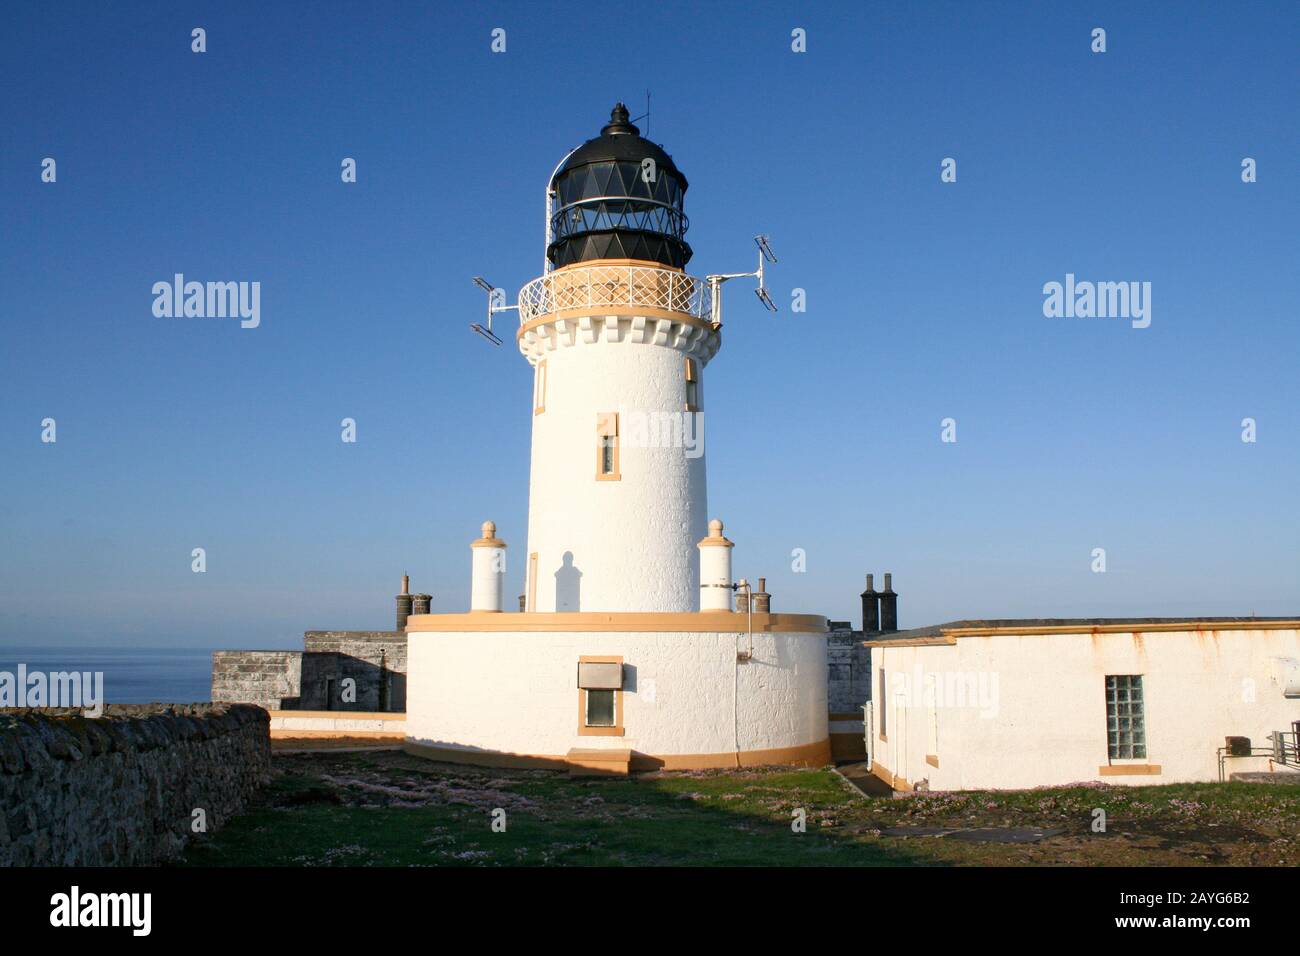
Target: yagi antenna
<point>765,254</point>
<point>496,299</point>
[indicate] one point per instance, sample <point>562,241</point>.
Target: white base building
<point>685,691</point>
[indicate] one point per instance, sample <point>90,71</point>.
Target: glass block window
<point>1125,717</point>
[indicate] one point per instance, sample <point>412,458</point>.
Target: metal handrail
<point>1283,750</point>
<point>1286,747</point>
<point>600,286</point>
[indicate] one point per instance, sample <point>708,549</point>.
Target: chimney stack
<point>870,608</point>
<point>762,600</point>
<point>523,603</point>
<point>888,606</point>
<point>715,569</point>
<point>420,603</point>
<point>488,570</point>
<point>404,603</point>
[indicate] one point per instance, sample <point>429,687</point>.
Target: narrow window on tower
<point>692,386</point>
<point>607,447</point>
<point>539,388</point>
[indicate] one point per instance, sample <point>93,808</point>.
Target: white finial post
<point>715,570</point>
<point>489,570</point>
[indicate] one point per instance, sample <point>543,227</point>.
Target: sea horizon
<point>132,675</point>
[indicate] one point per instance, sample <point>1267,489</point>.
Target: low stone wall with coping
<point>123,789</point>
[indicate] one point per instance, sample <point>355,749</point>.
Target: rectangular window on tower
<point>607,447</point>
<point>692,386</point>
<point>539,388</point>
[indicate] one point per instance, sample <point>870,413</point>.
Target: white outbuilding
<point>1016,704</point>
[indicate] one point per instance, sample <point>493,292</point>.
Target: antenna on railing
<point>765,253</point>
<point>496,303</point>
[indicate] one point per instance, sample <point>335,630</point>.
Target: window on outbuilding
<point>1125,717</point>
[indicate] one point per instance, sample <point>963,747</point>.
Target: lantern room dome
<point>619,196</point>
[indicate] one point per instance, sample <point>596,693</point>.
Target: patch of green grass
<point>389,809</point>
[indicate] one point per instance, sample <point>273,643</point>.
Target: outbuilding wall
<point>1034,707</point>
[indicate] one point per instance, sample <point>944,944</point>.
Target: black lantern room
<point>619,196</point>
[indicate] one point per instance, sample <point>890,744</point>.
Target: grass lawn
<point>390,809</point>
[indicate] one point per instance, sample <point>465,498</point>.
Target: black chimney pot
<point>870,609</point>
<point>888,606</point>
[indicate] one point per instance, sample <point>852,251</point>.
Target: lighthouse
<point>626,652</point>
<point>618,336</point>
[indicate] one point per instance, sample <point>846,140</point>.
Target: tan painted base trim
<point>485,758</point>
<point>895,783</point>
<point>284,733</point>
<point>600,763</point>
<point>912,642</point>
<point>344,714</point>
<point>1132,627</point>
<point>1129,769</point>
<point>949,635</point>
<point>807,755</point>
<point>685,622</point>
<point>343,744</point>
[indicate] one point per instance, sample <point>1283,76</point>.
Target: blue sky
<point>924,301</point>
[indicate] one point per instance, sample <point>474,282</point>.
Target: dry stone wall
<point>122,789</point>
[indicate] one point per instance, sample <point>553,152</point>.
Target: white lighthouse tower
<point>618,336</point>
<point>627,653</point>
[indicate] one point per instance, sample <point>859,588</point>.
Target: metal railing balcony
<point>597,286</point>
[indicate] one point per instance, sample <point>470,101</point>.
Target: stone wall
<point>376,660</point>
<point>849,670</point>
<point>270,679</point>
<point>312,679</point>
<point>122,789</point>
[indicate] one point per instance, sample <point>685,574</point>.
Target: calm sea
<point>135,675</point>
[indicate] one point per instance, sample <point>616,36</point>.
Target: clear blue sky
<point>924,301</point>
